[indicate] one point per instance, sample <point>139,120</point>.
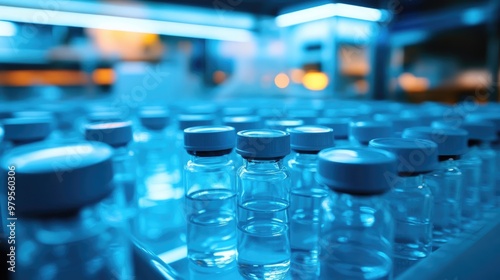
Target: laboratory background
<point>249,139</point>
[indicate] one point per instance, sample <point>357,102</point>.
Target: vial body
<point>263,226</point>
<point>211,212</point>
<point>352,143</point>
<point>496,148</point>
<point>446,186</point>
<point>356,241</point>
<point>159,192</point>
<point>155,150</point>
<point>412,205</point>
<point>125,177</point>
<point>487,175</point>
<point>305,214</point>
<point>6,146</point>
<point>91,243</point>
<point>470,166</point>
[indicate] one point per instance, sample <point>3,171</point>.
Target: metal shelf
<point>474,254</point>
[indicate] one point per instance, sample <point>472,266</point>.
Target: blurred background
<point>135,52</point>
<point>97,58</point>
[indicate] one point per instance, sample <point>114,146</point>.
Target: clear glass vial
<point>210,202</point>
<point>470,165</point>
<point>410,198</point>
<point>446,182</point>
<point>263,202</point>
<point>158,179</point>
<point>481,134</point>
<point>306,196</point>
<point>71,221</point>
<point>493,117</point>
<point>358,233</point>
<point>119,136</point>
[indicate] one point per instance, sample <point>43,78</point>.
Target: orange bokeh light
<point>281,80</point>
<point>410,83</point>
<point>297,75</point>
<point>219,77</point>
<point>315,81</point>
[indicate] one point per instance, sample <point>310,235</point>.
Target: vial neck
<point>448,158</point>
<point>263,165</point>
<point>157,133</point>
<point>449,162</point>
<point>122,153</point>
<point>496,143</point>
<point>411,181</point>
<point>17,143</point>
<point>484,145</point>
<point>305,157</point>
<point>479,144</point>
<point>345,201</point>
<point>474,143</point>
<point>358,143</point>
<point>123,161</point>
<point>220,159</point>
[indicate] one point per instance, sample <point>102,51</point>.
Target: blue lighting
<point>119,23</point>
<point>331,10</point>
<point>7,29</point>
<point>473,16</point>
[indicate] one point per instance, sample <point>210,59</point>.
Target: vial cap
<point>363,132</point>
<point>356,114</point>
<point>27,129</point>
<point>446,124</point>
<point>340,126</point>
<point>154,119</point>
<point>34,114</point>
<point>311,138</point>
<point>115,134</point>
<point>243,122</point>
<point>263,143</point>
<point>186,121</point>
<point>487,116</point>
<point>424,117</point>
<point>480,130</point>
<point>6,113</point>
<point>52,179</point>
<point>413,155</point>
<point>398,123</point>
<point>203,109</point>
<point>307,116</point>
<point>104,116</point>
<point>361,171</point>
<point>451,142</point>
<point>283,124</point>
<point>209,138</point>
<point>238,111</point>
